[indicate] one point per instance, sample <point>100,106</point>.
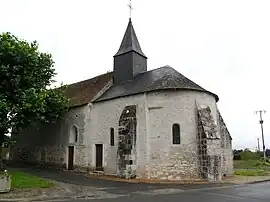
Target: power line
<point>261,122</point>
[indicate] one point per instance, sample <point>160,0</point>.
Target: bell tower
<point>129,60</point>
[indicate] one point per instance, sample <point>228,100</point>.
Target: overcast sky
<point>224,46</point>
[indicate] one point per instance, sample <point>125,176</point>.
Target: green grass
<point>240,164</point>
<point>251,168</point>
<point>251,164</point>
<point>22,180</point>
<point>252,172</point>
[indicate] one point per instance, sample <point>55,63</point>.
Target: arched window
<point>112,136</point>
<point>176,133</point>
<point>73,138</point>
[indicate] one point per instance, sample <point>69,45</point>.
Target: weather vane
<point>130,8</point>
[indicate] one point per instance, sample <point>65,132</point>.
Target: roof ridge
<point>98,76</point>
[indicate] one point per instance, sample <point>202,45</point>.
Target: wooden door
<point>70,157</point>
<point>99,157</point>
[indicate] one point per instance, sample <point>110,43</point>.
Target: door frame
<point>95,157</point>
<point>67,156</point>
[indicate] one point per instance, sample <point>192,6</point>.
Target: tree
<point>25,75</point>
<point>249,155</point>
<point>267,151</point>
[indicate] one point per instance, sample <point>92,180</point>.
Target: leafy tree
<point>25,75</point>
<point>267,152</point>
<point>249,155</point>
<point>236,154</point>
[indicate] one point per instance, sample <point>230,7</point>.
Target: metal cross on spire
<point>130,8</point>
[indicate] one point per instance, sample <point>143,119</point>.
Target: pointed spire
<point>130,42</point>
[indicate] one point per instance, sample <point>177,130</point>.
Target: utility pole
<point>261,122</point>
<point>258,139</point>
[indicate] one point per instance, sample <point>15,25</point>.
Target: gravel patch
<point>61,191</point>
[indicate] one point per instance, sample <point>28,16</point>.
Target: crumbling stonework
<point>126,153</point>
<point>209,148</point>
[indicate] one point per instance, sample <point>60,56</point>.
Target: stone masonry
<point>126,153</point>
<point>152,153</point>
<point>47,144</point>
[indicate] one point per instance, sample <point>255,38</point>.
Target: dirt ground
<point>62,190</point>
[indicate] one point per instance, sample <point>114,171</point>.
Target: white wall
<point>105,115</point>
<point>156,112</point>
<point>168,161</point>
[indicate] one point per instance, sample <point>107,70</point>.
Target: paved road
<point>109,191</point>
<point>245,193</point>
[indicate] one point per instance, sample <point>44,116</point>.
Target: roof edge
<point>118,54</point>
<point>186,89</point>
<point>109,72</point>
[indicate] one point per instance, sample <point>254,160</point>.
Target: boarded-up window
<point>176,133</point>
<point>112,136</point>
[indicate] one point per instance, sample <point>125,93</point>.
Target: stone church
<point>135,123</point>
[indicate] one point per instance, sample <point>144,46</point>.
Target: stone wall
<point>226,145</point>
<point>48,143</point>
<point>127,139</point>
<point>106,115</point>
<point>164,159</point>
<point>153,155</point>
<point>209,144</point>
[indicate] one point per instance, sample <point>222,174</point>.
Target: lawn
<point>22,180</point>
<point>251,164</point>
<point>251,168</point>
<point>240,164</point>
<point>251,172</point>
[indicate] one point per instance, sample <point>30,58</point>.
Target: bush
<point>236,157</point>
<point>263,163</point>
<point>249,155</point>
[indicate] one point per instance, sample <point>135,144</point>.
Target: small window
<point>73,138</point>
<point>112,136</point>
<point>176,133</point>
<point>76,136</point>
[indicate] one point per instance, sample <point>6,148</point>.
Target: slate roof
<point>158,79</point>
<point>130,42</point>
<point>83,92</point>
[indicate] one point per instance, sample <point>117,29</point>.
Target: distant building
<point>135,123</point>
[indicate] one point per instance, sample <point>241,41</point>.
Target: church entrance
<point>99,157</point>
<point>70,157</point>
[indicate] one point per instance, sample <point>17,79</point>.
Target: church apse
<point>126,152</point>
